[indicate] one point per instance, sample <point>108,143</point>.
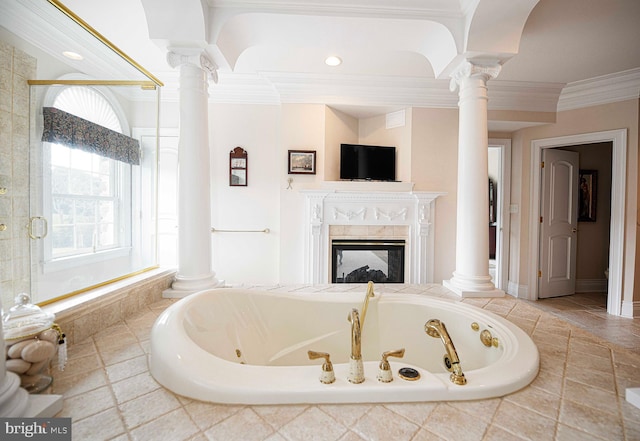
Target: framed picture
<point>587,191</point>
<point>302,162</point>
<point>238,159</point>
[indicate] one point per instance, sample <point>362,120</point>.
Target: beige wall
<point>339,128</point>
<point>434,159</point>
<point>621,115</point>
<point>373,131</point>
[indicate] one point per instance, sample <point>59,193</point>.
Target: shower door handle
<point>45,228</point>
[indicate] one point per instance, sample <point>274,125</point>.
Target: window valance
<point>64,128</point>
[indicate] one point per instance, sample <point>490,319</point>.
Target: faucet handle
<point>384,374</point>
<point>397,353</point>
<point>327,376</point>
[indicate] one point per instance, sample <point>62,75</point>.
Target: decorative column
<point>471,277</point>
<point>194,194</point>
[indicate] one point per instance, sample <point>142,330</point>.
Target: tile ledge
<point>105,293</point>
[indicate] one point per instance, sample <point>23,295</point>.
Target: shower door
<point>92,212</point>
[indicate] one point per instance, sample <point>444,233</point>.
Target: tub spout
<point>356,367</point>
<point>435,328</point>
<point>365,303</point>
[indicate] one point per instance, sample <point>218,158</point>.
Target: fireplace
<point>355,212</point>
<point>361,261</point>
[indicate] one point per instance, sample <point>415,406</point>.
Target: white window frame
<point>123,216</point>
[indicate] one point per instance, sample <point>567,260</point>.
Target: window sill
<point>64,263</point>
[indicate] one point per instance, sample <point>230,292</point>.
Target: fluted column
<point>471,277</point>
<point>194,194</point>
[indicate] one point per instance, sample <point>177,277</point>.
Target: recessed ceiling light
<point>73,55</point>
<point>333,61</point>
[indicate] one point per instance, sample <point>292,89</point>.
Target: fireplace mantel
<point>352,205</point>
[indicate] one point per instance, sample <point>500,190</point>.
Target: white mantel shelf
<point>366,186</point>
<point>369,204</point>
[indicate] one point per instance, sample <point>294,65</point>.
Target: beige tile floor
<point>578,394</point>
<point>589,311</point>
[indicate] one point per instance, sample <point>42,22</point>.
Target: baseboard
<point>630,309</point>
<point>519,291</point>
<point>591,285</point>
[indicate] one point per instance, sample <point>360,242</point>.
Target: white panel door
<point>558,223</point>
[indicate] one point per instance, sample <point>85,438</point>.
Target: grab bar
<point>215,230</point>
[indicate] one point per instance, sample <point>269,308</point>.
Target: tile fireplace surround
<point>370,210</point>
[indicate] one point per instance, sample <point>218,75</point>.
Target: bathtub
<point>247,346</point>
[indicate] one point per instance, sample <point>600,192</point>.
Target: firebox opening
<point>361,261</point>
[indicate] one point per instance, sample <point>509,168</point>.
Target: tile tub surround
<point>578,395</point>
<point>86,314</point>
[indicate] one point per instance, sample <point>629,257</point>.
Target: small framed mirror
<point>238,167</point>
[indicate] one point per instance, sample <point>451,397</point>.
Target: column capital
<point>469,69</point>
<point>195,57</point>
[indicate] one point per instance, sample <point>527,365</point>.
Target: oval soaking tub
<point>244,346</point>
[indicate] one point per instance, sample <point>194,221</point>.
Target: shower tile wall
<point>16,67</point>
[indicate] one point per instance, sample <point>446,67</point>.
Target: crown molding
<point>243,89</point>
<point>523,95</point>
<point>276,88</point>
<point>362,90</point>
<point>279,88</point>
<point>412,10</point>
<point>605,89</point>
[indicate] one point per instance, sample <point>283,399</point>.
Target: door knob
<point>574,230</point>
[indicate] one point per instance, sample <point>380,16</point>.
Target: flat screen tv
<point>367,162</point>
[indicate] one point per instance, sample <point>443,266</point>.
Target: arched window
<point>87,196</point>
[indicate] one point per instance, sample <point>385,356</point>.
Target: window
<point>88,203</point>
<point>87,211</point>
